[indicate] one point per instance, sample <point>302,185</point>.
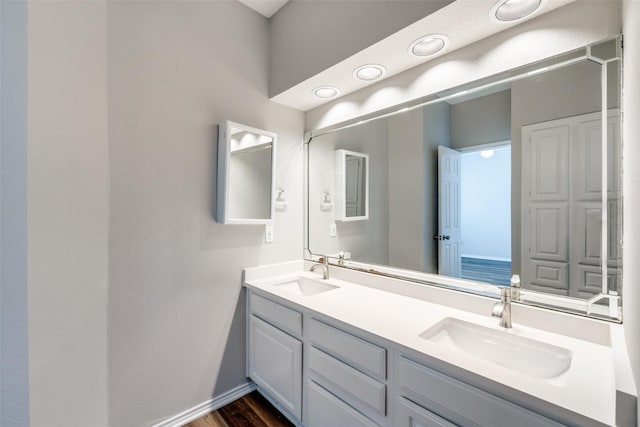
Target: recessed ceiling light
<point>369,72</point>
<point>487,153</point>
<point>429,45</point>
<point>512,10</point>
<point>325,92</point>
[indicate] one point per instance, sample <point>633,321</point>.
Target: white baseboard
<point>209,406</point>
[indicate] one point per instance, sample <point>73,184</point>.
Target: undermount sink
<point>304,286</point>
<point>520,354</point>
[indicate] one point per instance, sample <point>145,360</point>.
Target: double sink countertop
<point>405,314</point>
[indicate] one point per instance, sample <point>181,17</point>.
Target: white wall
<point>14,351</point>
<point>631,183</point>
<point>307,37</point>
<point>68,212</point>
<point>486,205</point>
<point>176,305</point>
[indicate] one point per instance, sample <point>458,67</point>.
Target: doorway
<point>486,214</point>
<point>484,234</point>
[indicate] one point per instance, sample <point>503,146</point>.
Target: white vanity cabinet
<point>326,373</point>
<point>352,370</point>
<point>423,393</point>
<point>274,359</point>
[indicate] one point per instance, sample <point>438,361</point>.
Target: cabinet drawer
<point>459,402</point>
<point>324,410</point>
<point>357,389</point>
<point>362,355</point>
<point>278,315</point>
<point>411,415</point>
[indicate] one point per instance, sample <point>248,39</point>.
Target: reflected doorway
<point>484,200</point>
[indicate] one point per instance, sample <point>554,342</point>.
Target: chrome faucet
<point>324,265</point>
<point>502,308</point>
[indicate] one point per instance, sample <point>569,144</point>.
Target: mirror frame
<point>224,173</point>
<point>571,305</point>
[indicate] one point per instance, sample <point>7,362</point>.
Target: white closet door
<point>561,204</point>
<point>545,213</point>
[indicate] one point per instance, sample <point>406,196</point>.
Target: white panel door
<point>449,203</point>
<point>548,161</point>
<point>545,207</point>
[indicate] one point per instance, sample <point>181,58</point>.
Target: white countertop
<point>587,388</point>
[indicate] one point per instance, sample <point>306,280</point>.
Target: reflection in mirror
<point>246,159</point>
<point>351,185</point>
<point>493,182</point>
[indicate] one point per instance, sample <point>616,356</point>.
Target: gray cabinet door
<point>275,364</point>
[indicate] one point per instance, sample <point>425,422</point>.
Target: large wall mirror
<point>502,176</point>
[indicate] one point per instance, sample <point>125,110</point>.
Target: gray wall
<point>68,215</point>
<point>437,131</point>
<point>557,94</point>
<point>14,351</point>
<point>309,36</point>
<point>631,184</point>
<point>176,305</point>
<point>406,191</point>
<point>481,120</point>
<point>366,239</point>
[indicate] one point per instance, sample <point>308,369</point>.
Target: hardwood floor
<point>484,270</point>
<point>252,410</point>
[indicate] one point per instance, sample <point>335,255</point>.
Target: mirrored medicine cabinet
<point>516,189</point>
<point>351,185</point>
<point>246,167</point>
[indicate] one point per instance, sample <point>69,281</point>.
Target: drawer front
<point>459,402</point>
<point>409,414</point>
<point>362,355</point>
<point>357,389</point>
<point>278,315</point>
<point>325,410</point>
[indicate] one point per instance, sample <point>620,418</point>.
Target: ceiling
<point>266,8</point>
<point>463,21</point>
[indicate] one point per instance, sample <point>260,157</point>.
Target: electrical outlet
<point>332,230</point>
<point>268,234</point>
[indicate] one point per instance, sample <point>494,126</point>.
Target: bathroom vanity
<point>362,350</point>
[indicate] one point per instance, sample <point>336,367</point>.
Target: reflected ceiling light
<point>325,92</point>
<point>369,72</point>
<point>429,45</point>
<point>512,10</point>
<point>487,153</point>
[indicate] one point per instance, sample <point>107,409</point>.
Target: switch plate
<point>332,229</point>
<point>268,234</point>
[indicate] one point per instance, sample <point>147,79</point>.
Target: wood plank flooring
<point>252,410</point>
<point>485,270</point>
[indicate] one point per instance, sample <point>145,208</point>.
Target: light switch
<point>332,229</point>
<point>268,234</point>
